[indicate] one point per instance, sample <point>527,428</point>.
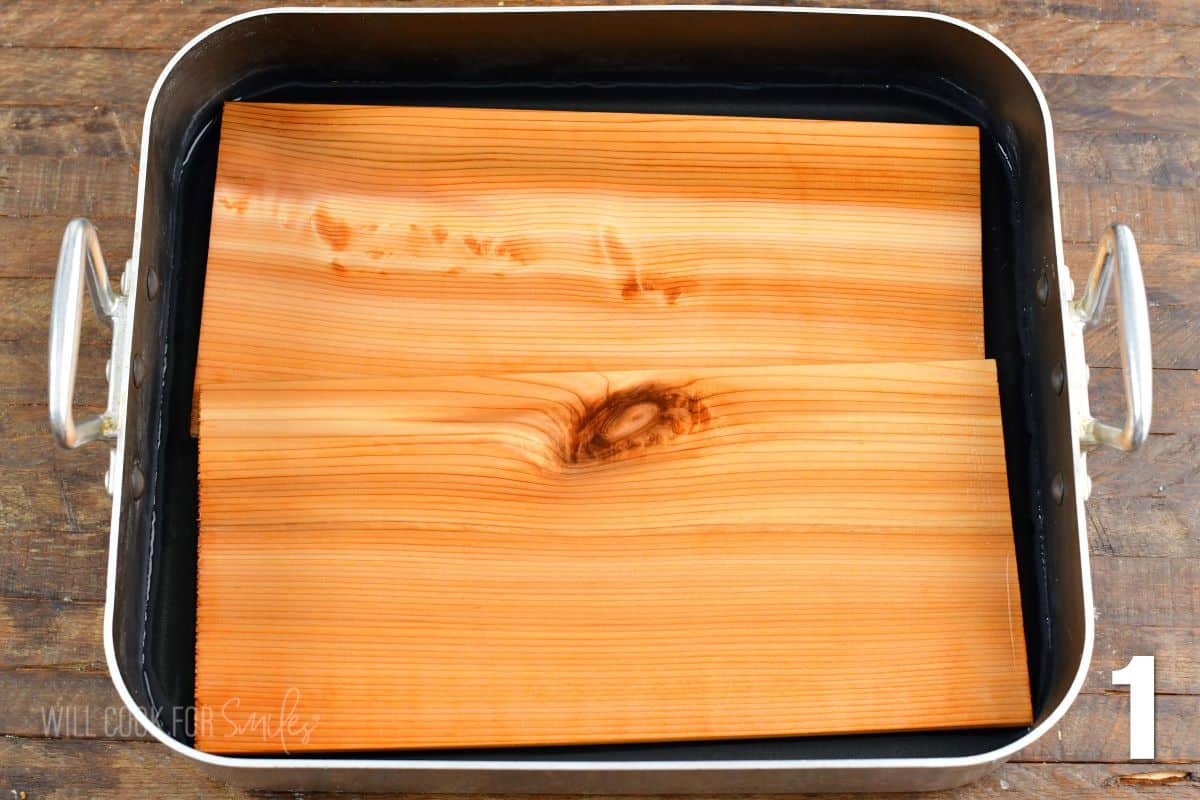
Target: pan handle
<point>80,259</point>
<point>1118,256</point>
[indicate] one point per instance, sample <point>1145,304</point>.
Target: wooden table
<point>1123,82</point>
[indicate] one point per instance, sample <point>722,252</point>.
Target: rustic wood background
<point>1123,81</point>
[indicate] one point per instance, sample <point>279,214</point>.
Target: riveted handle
<point>1118,257</point>
<point>80,259</point>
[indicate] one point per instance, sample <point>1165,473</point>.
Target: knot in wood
<point>633,419</point>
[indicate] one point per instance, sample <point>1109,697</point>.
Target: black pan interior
<point>166,650</point>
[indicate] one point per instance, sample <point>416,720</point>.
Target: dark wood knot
<point>634,419</point>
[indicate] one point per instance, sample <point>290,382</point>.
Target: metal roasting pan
<point>869,65</point>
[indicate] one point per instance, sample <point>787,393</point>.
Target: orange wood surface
<point>392,241</point>
<point>605,557</point>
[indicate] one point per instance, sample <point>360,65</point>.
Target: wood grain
<point>373,241</point>
<point>72,768</point>
<point>1049,35</point>
<point>41,633</point>
<point>48,769</point>
<point>65,186</point>
<point>588,557</point>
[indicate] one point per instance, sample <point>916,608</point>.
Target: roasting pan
<point>742,60</point>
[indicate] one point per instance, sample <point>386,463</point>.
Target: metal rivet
<point>151,284</point>
<point>1043,289</point>
<point>1058,378</point>
<point>1058,488</point>
<point>138,368</point>
<point>137,481</point>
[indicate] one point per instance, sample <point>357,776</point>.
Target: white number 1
<point>1138,675</point>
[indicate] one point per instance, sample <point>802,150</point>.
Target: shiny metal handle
<point>1118,256</point>
<point>80,259</point>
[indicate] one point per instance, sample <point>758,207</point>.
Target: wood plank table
<point>1123,82</point>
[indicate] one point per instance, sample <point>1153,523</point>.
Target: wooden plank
<point>567,240</point>
<point>1148,526</point>
<point>77,76</point>
<point>1123,102</point>
<point>84,130</point>
<point>63,704</point>
<point>1176,396</point>
<point>1078,782</point>
<point>30,186</point>
<point>1147,591</point>
<point>1159,159</point>
<point>30,23</point>
<point>1177,12</point>
<point>1060,43</point>
<point>51,633</point>
<point>1158,214</point>
<point>136,769</point>
<point>1172,271</point>
<point>25,362</point>
<point>54,512</point>
<point>1176,663</point>
<point>1097,731</point>
<point>1143,504</point>
<point>26,429</point>
<point>80,706</point>
<point>51,562</point>
<point>33,244</point>
<point>25,314</point>
<point>619,529</point>
<point>48,769</point>
<point>1044,31</point>
<point>66,770</point>
<point>1174,339</point>
<point>28,494</point>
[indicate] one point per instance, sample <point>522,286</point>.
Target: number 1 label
<point>1138,675</point>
